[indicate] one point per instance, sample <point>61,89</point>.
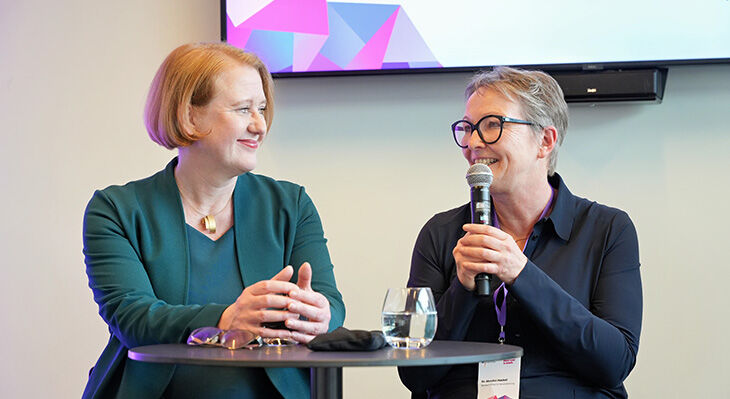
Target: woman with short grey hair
<point>565,274</point>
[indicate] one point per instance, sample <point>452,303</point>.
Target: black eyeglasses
<point>489,129</point>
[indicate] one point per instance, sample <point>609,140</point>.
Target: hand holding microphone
<point>485,252</point>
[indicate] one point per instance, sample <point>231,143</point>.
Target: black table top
<point>438,353</point>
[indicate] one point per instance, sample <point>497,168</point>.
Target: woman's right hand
<point>487,249</point>
<point>260,303</point>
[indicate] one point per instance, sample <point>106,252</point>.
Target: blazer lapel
<point>168,252</point>
<point>258,248</point>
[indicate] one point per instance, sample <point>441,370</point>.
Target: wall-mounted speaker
<point>618,85</point>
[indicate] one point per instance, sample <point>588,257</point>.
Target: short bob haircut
<point>188,77</point>
<point>537,93</point>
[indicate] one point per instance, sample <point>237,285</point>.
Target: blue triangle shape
<point>263,43</point>
<point>364,19</point>
<point>343,43</point>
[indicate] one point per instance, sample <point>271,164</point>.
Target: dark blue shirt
<point>575,308</point>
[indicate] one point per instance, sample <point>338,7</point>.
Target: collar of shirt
<point>563,212</point>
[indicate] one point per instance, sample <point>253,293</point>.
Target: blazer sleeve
<point>310,245</point>
<point>599,343</point>
<point>121,285</point>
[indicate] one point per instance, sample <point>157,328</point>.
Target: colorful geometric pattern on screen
<point>316,35</point>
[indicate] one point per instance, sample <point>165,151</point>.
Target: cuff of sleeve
<point>461,296</point>
<point>456,309</point>
<point>526,276</point>
<point>208,316</point>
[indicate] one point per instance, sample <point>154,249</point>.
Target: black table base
<point>326,382</point>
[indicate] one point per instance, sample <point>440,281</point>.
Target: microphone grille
<point>479,174</point>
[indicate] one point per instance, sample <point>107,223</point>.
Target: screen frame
<point>568,67</point>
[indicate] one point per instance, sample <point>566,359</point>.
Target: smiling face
<point>515,160</point>
<point>232,122</point>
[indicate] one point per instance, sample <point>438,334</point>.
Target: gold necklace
<point>208,221</point>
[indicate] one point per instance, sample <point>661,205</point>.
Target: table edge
<point>514,352</point>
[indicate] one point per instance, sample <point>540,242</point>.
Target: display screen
<point>301,37</point>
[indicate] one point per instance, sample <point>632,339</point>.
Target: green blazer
<point>138,264</point>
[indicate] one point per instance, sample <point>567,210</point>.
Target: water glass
<point>409,317</point>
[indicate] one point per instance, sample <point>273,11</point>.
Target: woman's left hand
<point>494,249</point>
<point>310,304</point>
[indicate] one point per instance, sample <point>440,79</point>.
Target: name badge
<point>499,379</point>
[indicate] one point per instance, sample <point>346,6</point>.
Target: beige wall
<point>73,77</point>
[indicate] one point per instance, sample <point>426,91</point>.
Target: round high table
<point>326,367</point>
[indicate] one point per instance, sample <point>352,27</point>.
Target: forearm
<point>455,306</point>
<point>142,321</point>
<point>592,347</point>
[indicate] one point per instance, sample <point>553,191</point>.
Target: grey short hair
<point>537,93</point>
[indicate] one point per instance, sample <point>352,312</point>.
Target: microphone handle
<point>481,213</point>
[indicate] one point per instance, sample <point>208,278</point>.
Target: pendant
<point>209,223</point>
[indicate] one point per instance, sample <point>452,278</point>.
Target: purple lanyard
<point>501,309</point>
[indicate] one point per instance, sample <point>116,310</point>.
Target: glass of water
<point>409,317</point>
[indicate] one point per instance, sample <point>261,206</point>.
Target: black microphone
<point>479,177</point>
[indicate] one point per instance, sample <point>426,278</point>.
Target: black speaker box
<point>616,85</point>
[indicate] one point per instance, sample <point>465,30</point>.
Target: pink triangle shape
<point>236,36</point>
<point>371,55</point>
<point>299,16</point>
<point>322,63</point>
<point>306,48</point>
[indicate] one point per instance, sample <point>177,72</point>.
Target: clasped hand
<point>306,313</point>
<point>487,249</point>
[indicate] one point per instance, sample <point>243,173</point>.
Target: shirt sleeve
<point>310,245</point>
<point>598,343</point>
<point>454,303</point>
<point>122,287</point>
